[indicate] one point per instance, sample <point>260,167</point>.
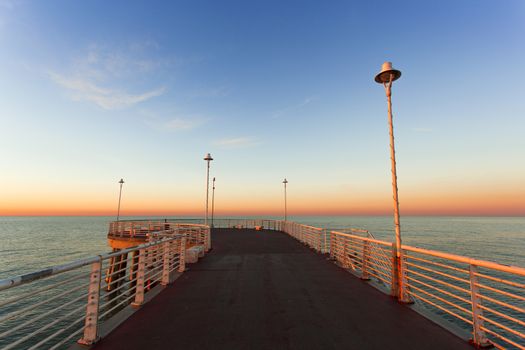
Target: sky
<point>95,91</point>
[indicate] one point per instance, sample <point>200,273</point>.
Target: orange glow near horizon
<point>473,202</point>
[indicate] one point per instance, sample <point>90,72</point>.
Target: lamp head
<point>121,181</point>
<point>386,73</point>
<point>208,157</point>
<point>285,181</point>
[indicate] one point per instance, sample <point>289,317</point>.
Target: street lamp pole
<point>386,77</point>
<point>285,208</point>
<point>212,201</point>
<point>207,158</point>
<point>121,182</point>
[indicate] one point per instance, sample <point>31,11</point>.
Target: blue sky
<point>95,91</point>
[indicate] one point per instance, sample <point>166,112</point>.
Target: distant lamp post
<point>212,200</point>
<point>285,208</point>
<point>386,77</point>
<point>208,159</point>
<point>121,182</point>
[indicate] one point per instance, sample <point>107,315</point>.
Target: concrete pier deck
<point>265,290</point>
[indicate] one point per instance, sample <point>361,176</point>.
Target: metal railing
<point>484,298</point>
<point>372,258</point>
<point>487,297</point>
<point>275,225</point>
<point>142,230</point>
<point>54,307</point>
<point>311,236</point>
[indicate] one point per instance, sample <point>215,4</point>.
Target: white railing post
<point>346,263</point>
<point>166,254</point>
<point>393,283</point>
<point>91,325</point>
<point>478,335</point>
<point>333,241</point>
<point>399,281</point>
<point>139,282</point>
<point>366,261</point>
<point>404,297</point>
<point>182,254</point>
<point>208,239</point>
<point>325,233</point>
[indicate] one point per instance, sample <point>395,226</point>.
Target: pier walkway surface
<point>265,290</point>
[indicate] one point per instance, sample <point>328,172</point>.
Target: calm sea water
<point>31,243</point>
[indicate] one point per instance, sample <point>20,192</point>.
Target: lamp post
<point>387,76</point>
<point>121,182</point>
<point>212,201</point>
<point>285,208</point>
<point>208,159</point>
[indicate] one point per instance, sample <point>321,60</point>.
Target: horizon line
<point>260,215</point>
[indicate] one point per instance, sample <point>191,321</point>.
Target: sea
<point>28,244</point>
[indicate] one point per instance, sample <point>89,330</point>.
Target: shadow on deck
<point>265,290</point>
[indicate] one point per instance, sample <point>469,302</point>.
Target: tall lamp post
<point>121,182</point>
<point>387,76</point>
<point>208,159</point>
<point>285,208</point>
<point>212,200</point>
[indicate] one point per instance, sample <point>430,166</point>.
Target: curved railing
<point>54,307</point>
<point>145,230</point>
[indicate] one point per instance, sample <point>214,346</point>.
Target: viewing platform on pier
<point>262,289</point>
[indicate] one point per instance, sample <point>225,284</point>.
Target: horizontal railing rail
<point>143,230</point>
<point>485,298</point>
<point>54,307</point>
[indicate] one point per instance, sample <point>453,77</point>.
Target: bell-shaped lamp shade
<point>387,73</point>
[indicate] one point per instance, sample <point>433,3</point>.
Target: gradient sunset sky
<point>95,91</point>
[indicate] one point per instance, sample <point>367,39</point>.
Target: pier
<point>264,290</point>
<point>262,284</point>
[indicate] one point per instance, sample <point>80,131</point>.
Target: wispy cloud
<point>181,124</point>
<point>173,124</point>
<point>282,112</point>
<point>95,76</point>
<point>176,124</point>
<point>237,142</point>
<point>84,90</point>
